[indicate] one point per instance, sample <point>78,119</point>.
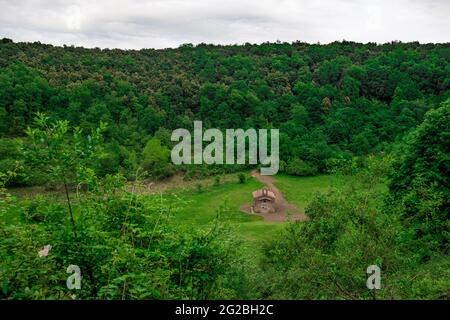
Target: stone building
<point>263,201</point>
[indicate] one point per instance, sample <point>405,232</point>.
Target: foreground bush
<point>348,230</point>
<point>125,246</point>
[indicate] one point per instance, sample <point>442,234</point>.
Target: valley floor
<point>202,200</point>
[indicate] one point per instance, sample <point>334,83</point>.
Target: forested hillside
<point>90,130</point>
<point>330,102</point>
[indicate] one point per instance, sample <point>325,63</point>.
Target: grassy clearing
<point>200,207</point>
<point>300,190</point>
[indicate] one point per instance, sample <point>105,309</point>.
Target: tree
<point>298,167</point>
<point>420,180</point>
<point>326,256</point>
<point>3,121</point>
<point>156,158</point>
<point>63,152</point>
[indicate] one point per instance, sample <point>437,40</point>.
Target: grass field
<point>200,208</point>
<point>300,190</point>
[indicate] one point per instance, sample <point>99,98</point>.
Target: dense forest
<point>100,118</point>
<point>330,102</point>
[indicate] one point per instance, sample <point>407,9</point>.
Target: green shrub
<point>11,160</point>
<point>156,159</point>
<point>199,187</point>
<point>298,167</point>
<point>126,247</point>
<point>420,181</point>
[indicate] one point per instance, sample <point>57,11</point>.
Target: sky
<point>136,24</point>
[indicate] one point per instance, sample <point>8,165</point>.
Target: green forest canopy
<point>330,102</point>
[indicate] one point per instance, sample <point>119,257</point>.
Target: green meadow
<point>201,207</point>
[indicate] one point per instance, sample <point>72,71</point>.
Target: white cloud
<point>157,23</point>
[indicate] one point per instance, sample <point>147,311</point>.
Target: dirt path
<point>284,210</point>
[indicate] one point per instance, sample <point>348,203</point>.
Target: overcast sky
<point>136,24</point>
